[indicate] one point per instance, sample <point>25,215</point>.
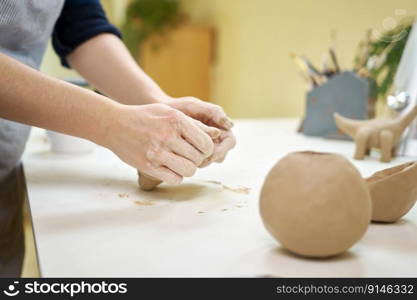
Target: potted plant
<point>145,18</point>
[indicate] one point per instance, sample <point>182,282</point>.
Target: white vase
<point>67,144</point>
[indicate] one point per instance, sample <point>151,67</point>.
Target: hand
<point>158,140</point>
<point>211,115</point>
<point>205,112</point>
<point>222,145</point>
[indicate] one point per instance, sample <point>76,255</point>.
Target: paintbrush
<point>308,68</point>
<point>303,68</point>
<point>332,51</point>
<point>364,55</point>
<point>327,70</point>
<point>313,70</point>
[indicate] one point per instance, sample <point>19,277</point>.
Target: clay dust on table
<point>140,202</point>
<point>239,190</point>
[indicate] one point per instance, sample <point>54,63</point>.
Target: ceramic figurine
<point>375,133</point>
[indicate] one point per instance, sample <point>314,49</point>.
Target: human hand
<point>211,115</point>
<point>208,113</point>
<point>222,145</point>
<point>158,140</point>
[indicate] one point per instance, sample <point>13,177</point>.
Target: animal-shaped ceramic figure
<point>375,133</point>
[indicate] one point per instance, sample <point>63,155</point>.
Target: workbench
<point>90,218</point>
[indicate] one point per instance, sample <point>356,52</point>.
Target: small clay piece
<point>146,182</point>
<point>375,133</point>
<point>315,204</point>
<point>393,192</point>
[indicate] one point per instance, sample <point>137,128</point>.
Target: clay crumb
<point>214,182</point>
<point>224,209</point>
<point>123,195</point>
<point>240,190</point>
<point>140,202</point>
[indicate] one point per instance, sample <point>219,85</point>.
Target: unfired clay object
<point>147,183</point>
<point>315,204</point>
<point>393,192</point>
<point>375,133</point>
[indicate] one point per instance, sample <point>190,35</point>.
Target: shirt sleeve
<point>80,20</point>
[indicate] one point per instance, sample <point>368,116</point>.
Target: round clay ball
<point>315,204</point>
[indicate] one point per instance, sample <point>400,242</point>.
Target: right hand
<point>160,141</point>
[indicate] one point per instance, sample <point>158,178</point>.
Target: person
<point>164,137</point>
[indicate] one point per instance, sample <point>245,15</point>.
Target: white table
<point>90,219</point>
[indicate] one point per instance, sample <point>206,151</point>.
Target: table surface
<point>90,218</point>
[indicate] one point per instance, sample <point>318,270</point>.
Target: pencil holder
<point>346,93</point>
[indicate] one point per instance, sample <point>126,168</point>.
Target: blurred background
<point>236,52</point>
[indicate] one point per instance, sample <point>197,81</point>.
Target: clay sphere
<point>393,192</point>
<point>315,204</point>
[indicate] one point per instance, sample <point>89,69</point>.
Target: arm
<point>85,39</point>
<point>30,97</point>
<point>156,139</point>
<point>105,62</point>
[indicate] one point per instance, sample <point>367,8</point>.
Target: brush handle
<point>334,60</point>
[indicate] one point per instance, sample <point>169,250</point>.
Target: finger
<point>220,118</point>
<point>226,123</point>
<point>222,145</point>
<point>223,148</point>
<point>146,182</point>
<point>184,149</point>
<point>166,175</point>
<point>206,162</point>
<point>213,132</point>
<point>178,164</point>
<point>197,137</point>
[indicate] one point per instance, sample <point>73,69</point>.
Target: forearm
<point>106,64</point>
<point>30,97</point>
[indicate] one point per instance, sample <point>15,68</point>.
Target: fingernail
<point>227,123</point>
